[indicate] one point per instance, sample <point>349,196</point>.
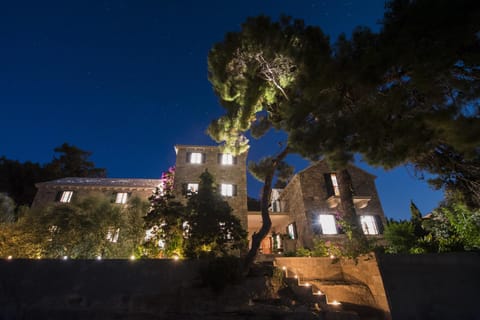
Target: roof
<point>103,182</point>
<point>350,165</point>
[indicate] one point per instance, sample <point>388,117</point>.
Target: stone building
<point>230,173</point>
<point>67,189</point>
<point>305,209</point>
<point>310,203</point>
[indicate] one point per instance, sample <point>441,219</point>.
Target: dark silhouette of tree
<point>18,179</point>
<point>213,230</point>
<point>203,227</point>
<point>70,161</point>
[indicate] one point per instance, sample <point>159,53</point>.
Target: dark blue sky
<point>127,80</point>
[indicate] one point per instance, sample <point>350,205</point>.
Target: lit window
<point>66,196</point>
<point>192,187</point>
<point>195,157</point>
<point>226,190</point>
<point>227,158</point>
<point>336,190</point>
<point>112,234</point>
<point>292,233</point>
<point>327,222</point>
<point>121,197</point>
<point>368,225</point>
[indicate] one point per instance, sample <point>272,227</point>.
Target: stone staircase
<point>325,297</point>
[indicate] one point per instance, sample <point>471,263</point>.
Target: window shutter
<point>58,196</point>
<point>328,185</point>
<point>188,157</point>
<point>379,224</point>
<point>204,157</point>
<point>235,160</point>
<point>74,196</point>
<point>113,198</point>
<point>234,191</point>
<point>129,194</point>
<point>184,189</point>
<point>219,158</point>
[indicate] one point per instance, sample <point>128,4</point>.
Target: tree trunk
<point>349,215</point>
<point>266,221</point>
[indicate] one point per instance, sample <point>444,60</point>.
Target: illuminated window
<point>226,190</point>
<point>227,158</point>
<point>192,187</point>
<point>196,157</point>
<point>291,230</point>
<point>112,234</point>
<point>336,190</point>
<point>327,222</point>
<point>121,197</point>
<point>66,196</point>
<point>369,225</point>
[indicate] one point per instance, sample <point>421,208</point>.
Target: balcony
<point>360,202</point>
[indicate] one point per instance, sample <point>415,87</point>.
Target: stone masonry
<point>307,196</point>
<point>234,174</point>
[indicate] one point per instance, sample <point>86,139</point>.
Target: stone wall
<point>305,197</point>
<point>432,286</point>
<point>232,174</point>
<point>47,194</point>
<point>42,289</point>
<point>345,280</point>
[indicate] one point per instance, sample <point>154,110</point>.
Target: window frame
<point>121,197</point>
<point>227,192</point>
<point>66,196</point>
<point>227,159</point>
<point>195,158</point>
<point>193,186</point>
<point>372,222</point>
<point>327,224</point>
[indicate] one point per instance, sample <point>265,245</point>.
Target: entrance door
<point>266,245</point>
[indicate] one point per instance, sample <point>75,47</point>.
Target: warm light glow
<point>318,293</point>
<point>284,268</point>
<point>307,284</point>
<point>227,159</point>
<point>295,276</point>
<point>226,190</point>
<point>121,197</point>
<point>99,257</point>
<point>327,222</point>
<point>66,196</point>
<point>132,257</point>
<point>65,257</point>
<point>196,157</point>
<point>332,256</point>
<point>335,303</point>
<point>9,257</point>
<point>175,257</point>
<point>369,225</point>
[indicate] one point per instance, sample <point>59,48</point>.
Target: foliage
<point>83,229</point>
<point>400,236</point>
<point>18,179</point>
<point>165,220</point>
<point>212,228</point>
<point>204,227</point>
<point>320,248</point>
<point>454,227</point>
<point>7,209</point>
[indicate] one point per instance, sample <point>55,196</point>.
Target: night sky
<point>127,80</point>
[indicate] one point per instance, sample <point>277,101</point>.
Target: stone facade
<point>308,195</point>
<point>295,210</point>
<point>234,174</point>
<point>51,191</point>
